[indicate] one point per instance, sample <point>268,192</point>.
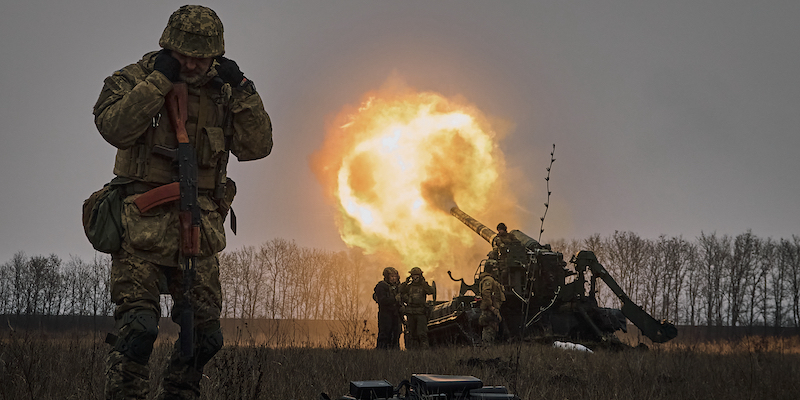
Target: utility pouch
<point>210,146</point>
<point>102,219</point>
<point>226,201</point>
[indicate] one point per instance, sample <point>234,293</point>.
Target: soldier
<point>500,243</point>
<point>413,292</point>
<point>389,319</point>
<point>225,113</point>
<point>492,298</point>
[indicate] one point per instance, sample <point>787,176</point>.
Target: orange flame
<point>395,165</point>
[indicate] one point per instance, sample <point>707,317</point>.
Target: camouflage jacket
<point>414,294</point>
<point>491,292</point>
<point>500,247</point>
<point>130,114</point>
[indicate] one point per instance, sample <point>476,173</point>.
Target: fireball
<point>395,165</point>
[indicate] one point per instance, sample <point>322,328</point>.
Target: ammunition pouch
<point>102,220</point>
<point>154,234</point>
<point>210,146</point>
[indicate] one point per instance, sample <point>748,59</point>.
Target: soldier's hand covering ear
<point>167,65</point>
<point>229,71</point>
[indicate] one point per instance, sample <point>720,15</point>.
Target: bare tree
<point>758,303</point>
<point>276,257</point>
<point>39,284</point>
<point>100,284</point>
<point>793,259</point>
<point>668,273</point>
<point>714,257</point>
<point>75,286</point>
<point>693,286</point>
<point>627,255</point>
<point>740,271</point>
<point>6,288</point>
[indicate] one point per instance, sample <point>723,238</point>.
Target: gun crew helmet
<point>490,266</point>
<point>194,31</point>
<point>415,271</point>
<point>502,227</point>
<point>389,271</point>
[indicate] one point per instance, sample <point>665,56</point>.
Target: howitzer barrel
<point>479,228</point>
<point>487,234</point>
<point>527,241</point>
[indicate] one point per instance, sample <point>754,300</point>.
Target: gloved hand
<point>167,65</point>
<point>229,71</point>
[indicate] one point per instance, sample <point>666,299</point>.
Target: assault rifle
<point>184,190</point>
<point>426,386</point>
<point>189,215</point>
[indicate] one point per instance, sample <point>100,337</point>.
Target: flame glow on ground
<point>395,165</point>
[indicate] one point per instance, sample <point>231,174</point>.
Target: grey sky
<point>669,117</point>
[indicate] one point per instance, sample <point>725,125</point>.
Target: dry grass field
<point>71,366</point>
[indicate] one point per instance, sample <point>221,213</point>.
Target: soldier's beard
<point>196,80</point>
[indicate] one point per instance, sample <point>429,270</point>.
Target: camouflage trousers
<point>491,325</point>
<point>416,334</point>
<point>136,286</point>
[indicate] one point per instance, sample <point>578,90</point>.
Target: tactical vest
<point>148,159</point>
<point>416,295</point>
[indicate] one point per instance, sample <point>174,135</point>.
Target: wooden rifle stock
<point>176,101</point>
<point>189,216</point>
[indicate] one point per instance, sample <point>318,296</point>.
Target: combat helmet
<point>415,271</point>
<point>389,271</point>
<point>194,31</point>
<point>491,267</point>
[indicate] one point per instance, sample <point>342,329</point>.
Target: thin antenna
<point>547,204</point>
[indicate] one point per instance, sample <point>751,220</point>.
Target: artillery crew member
<point>387,296</point>
<point>492,298</point>
<point>222,113</point>
<point>501,243</point>
<point>413,293</point>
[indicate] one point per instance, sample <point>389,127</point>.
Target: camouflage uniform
<point>130,114</point>
<point>413,293</point>
<point>492,298</point>
<point>500,247</point>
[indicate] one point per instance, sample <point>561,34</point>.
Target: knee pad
<point>137,334</point>
<point>209,342</point>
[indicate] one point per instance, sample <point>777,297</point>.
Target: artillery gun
<point>540,299</point>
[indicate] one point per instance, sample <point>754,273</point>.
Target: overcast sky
<point>672,118</point>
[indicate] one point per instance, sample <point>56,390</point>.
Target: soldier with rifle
<point>174,117</point>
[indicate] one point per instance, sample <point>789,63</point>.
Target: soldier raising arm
<point>224,114</point>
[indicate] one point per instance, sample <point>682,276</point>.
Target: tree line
<point>715,280</point>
